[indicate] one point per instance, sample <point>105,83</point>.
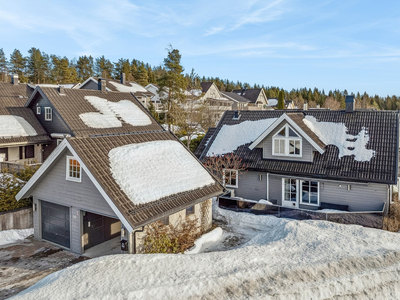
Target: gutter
<point>60,135</point>
<point>134,238</point>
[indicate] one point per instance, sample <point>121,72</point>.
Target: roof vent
<point>61,90</point>
<point>305,106</point>
<point>236,115</point>
<point>14,79</point>
<point>350,104</point>
<point>123,78</point>
<point>102,85</point>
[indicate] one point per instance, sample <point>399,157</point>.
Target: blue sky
<point>353,45</point>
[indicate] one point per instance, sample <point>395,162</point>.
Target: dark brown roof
<point>251,94</point>
<point>205,86</point>
<point>94,154</point>
<point>383,130</point>
<point>29,116</point>
<point>72,104</point>
<point>236,97</point>
<point>204,141</point>
<point>298,119</point>
<point>14,95</point>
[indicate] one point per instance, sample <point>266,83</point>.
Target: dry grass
<point>392,221</point>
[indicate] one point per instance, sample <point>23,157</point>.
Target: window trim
<point>237,178</point>
<point>48,110</point>
<point>287,140</point>
<point>69,178</point>
<point>38,110</point>
<point>301,196</point>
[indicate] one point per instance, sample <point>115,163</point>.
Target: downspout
<point>134,239</point>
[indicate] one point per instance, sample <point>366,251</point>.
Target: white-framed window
<point>74,170</point>
<point>38,110</point>
<point>286,142</point>
<point>309,192</point>
<point>231,178</point>
<point>48,114</point>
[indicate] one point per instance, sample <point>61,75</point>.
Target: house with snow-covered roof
<point>115,172</point>
<point>311,160</point>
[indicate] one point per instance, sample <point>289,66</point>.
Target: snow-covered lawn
<point>14,235</point>
<point>282,259</point>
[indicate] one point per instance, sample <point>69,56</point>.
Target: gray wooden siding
<point>57,125</point>
<point>266,144</point>
<point>250,186</point>
<point>275,188</point>
<point>90,85</point>
<point>76,234</point>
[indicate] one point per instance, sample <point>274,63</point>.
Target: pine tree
<point>17,65</point>
<point>134,69</point>
<point>142,76</point>
<point>122,66</point>
<point>104,67</point>
<point>281,100</point>
<point>85,67</point>
<point>3,66</point>
<point>38,66</point>
<point>63,71</point>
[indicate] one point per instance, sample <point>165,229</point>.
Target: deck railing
<point>373,219</point>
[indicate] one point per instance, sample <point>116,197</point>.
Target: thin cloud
<point>214,30</point>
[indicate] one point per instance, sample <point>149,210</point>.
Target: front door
<point>290,189</point>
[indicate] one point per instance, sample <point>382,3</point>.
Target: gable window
<point>74,171</point>
<point>38,110</point>
<point>310,192</point>
<point>48,114</point>
<point>231,178</point>
<point>190,210</point>
<point>286,142</point>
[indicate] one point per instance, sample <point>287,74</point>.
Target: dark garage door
<point>98,229</point>
<point>55,223</point>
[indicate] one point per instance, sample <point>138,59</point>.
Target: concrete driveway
<point>24,263</point>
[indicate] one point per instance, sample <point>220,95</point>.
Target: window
<point>231,178</point>
<point>48,114</point>
<point>38,110</point>
<point>190,210</point>
<point>290,190</point>
<point>309,192</point>
<point>286,142</point>
<point>30,151</point>
<point>74,171</point>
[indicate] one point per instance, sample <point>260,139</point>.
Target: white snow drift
<point>287,260</point>
<point>15,126</point>
<point>336,134</point>
<point>14,235</point>
<point>153,170</point>
<point>230,137</point>
<point>109,112</point>
<point>133,88</point>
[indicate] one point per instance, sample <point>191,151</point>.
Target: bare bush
<point>392,221</point>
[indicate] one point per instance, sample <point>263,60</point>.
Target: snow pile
<point>290,260</point>
<point>133,88</point>
<point>15,126</point>
<point>230,137</point>
<point>153,170</point>
<point>7,179</point>
<point>205,240</point>
<point>331,133</point>
<point>14,235</point>
<point>109,112</point>
<point>272,102</point>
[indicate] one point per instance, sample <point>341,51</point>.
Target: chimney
<point>123,78</point>
<point>305,106</point>
<point>236,115</point>
<point>14,79</point>
<point>102,85</point>
<point>350,104</point>
<point>61,90</point>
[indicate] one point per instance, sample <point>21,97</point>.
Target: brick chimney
<point>123,78</point>
<point>14,79</point>
<point>350,104</point>
<point>101,85</point>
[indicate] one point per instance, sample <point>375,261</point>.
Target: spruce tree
<point>3,66</point>
<point>281,100</point>
<point>142,76</point>
<point>85,67</point>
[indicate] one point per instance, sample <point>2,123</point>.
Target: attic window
<point>38,110</point>
<point>48,114</point>
<point>74,171</point>
<point>286,142</point>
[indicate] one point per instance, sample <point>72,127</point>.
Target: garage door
<point>55,223</point>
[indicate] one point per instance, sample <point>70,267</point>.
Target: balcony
<point>332,212</point>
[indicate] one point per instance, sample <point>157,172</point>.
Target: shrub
<point>392,221</point>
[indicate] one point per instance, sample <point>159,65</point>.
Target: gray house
<point>312,159</point>
<point>115,172</point>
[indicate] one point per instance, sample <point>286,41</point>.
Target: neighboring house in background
<point>14,93</point>
<point>273,102</point>
<point>157,96</point>
<point>257,97</point>
<point>124,86</point>
<point>311,159</point>
<point>239,102</point>
<point>109,182</point>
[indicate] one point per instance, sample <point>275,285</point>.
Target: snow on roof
<point>133,88</point>
<point>150,171</point>
<point>336,134</point>
<point>15,126</point>
<point>283,260</point>
<point>230,137</point>
<point>109,111</point>
<point>272,102</point>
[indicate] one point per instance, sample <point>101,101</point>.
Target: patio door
<point>290,192</point>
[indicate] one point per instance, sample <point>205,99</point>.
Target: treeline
<point>39,67</point>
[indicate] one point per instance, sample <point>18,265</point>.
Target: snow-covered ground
<point>281,259</point>
<point>14,235</point>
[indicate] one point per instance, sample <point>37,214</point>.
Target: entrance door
<point>55,223</point>
<point>98,229</point>
<point>290,188</point>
